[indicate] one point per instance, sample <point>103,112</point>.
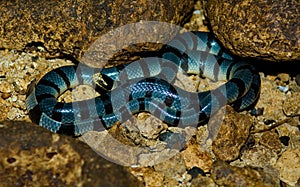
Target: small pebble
<point>6,87</point>
<point>284,89</point>
<point>197,12</point>
<point>284,77</point>
<point>14,98</point>
<point>5,95</point>
<point>14,113</point>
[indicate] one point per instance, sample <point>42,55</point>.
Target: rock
<point>272,103</point>
<point>284,77</point>
<point>257,156</point>
<point>257,28</point>
<point>153,178</point>
<point>202,181</point>
<point>271,141</point>
<point>226,175</point>
<point>194,156</point>
<point>172,168</point>
<point>70,27</point>
<point>232,135</point>
<point>31,155</point>
<point>289,106</point>
<point>289,166</point>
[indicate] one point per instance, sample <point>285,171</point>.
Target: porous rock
<point>231,134</point>
<point>226,175</point>
<point>289,166</point>
<point>33,156</point>
<point>265,29</point>
<point>70,27</point>
<point>271,141</point>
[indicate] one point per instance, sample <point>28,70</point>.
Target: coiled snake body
<point>146,87</point>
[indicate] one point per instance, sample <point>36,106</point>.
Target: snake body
<point>146,85</point>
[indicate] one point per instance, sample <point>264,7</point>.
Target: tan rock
<point>257,28</point>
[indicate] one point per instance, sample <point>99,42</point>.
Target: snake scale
<point>146,85</point>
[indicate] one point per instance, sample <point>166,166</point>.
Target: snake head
<point>103,83</point>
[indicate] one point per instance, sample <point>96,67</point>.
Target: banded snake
<point>146,85</point>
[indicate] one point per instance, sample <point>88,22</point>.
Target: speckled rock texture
<point>289,162</point>
<point>69,27</point>
<point>233,133</point>
<point>265,29</point>
<point>31,156</point>
<point>225,175</point>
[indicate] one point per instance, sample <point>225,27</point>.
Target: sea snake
<point>146,85</point>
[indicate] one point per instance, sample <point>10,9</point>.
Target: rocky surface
<point>232,135</point>
<point>289,167</point>
<point>271,143</point>
<point>70,27</point>
<point>31,155</point>
<point>269,30</point>
<point>226,175</point>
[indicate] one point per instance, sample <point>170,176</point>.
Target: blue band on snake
<point>146,85</point>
